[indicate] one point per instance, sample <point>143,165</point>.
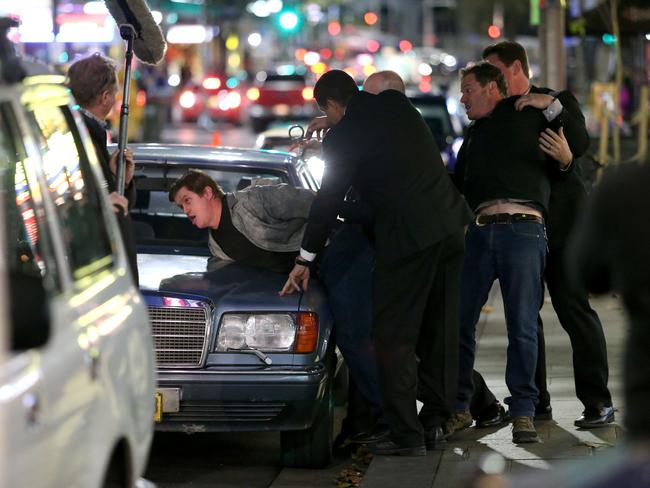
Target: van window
<point>73,190</point>
<point>29,249</point>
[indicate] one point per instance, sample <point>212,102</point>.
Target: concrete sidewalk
<point>561,442</point>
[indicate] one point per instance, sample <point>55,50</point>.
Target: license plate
<point>282,109</point>
<point>168,400</point>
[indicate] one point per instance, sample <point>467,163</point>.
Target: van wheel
<point>312,447</point>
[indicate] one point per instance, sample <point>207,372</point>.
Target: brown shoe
<point>523,430</point>
<point>458,421</point>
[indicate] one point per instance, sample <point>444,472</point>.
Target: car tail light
<point>307,336</point>
<point>187,99</point>
<point>234,99</point>
<point>308,93</point>
<point>141,98</point>
<point>253,94</point>
<point>212,83</point>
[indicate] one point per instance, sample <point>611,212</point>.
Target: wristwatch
<point>303,262</point>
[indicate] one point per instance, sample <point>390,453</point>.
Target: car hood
<point>225,283</point>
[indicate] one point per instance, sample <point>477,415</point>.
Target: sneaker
<point>523,430</point>
<point>458,421</point>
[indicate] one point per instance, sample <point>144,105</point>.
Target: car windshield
<point>438,120</point>
<point>159,222</point>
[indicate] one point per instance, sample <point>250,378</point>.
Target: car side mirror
<point>29,312</point>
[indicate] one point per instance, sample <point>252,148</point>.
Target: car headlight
<point>275,332</point>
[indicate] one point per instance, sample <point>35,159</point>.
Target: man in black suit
<point>380,145</point>
<point>610,250</point>
<point>568,194</point>
<point>93,83</point>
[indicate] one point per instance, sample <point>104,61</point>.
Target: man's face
<point>508,72</point>
<point>476,98</point>
<point>334,112</point>
<point>198,208</point>
<point>108,98</point>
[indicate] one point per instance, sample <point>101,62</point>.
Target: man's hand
<point>302,145</point>
<point>297,281</point>
<point>120,203</point>
<point>128,161</point>
<point>319,125</point>
<point>536,100</point>
<point>555,145</point>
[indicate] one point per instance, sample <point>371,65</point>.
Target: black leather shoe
<point>593,418</point>
<point>390,448</point>
<point>492,416</point>
<point>435,439</point>
<point>543,412</point>
<point>379,432</point>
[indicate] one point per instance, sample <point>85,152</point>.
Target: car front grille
<point>179,335</point>
<point>202,411</point>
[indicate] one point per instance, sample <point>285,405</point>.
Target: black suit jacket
<point>98,136</point>
<point>383,148</point>
<point>567,192</point>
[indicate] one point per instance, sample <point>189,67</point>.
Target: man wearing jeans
<point>504,176</point>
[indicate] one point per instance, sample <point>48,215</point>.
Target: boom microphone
<point>149,44</point>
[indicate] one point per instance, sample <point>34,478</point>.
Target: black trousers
<point>416,307</point>
<point>581,322</point>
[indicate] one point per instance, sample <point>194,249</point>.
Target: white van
<point>77,384</point>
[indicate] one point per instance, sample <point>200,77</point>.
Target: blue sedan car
<point>231,354</point>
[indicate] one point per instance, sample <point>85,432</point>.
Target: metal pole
<point>618,81</point>
<point>552,44</point>
<point>128,34</point>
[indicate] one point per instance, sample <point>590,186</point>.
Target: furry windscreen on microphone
<point>149,45</point>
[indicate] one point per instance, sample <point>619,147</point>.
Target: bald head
<point>383,80</point>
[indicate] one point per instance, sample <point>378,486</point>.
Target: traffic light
<point>289,21</point>
<point>494,31</point>
<point>609,39</point>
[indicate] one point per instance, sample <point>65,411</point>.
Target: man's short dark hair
<point>196,181</point>
<point>335,85</point>
<point>90,76</point>
<point>508,52</point>
<point>485,72</point>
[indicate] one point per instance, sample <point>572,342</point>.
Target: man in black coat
<point>380,145</point>
<point>568,194</point>
<point>93,83</point>
<point>610,250</point>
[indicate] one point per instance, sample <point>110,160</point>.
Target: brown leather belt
<point>506,218</point>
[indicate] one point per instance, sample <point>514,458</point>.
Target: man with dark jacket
<point>380,145</point>
<point>505,178</point>
<point>567,198</point>
<point>93,83</point>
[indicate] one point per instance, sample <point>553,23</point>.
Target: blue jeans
<point>346,272</point>
<point>515,254</point>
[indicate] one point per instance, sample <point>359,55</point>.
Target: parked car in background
<point>188,103</point>
<point>279,96</point>
<point>77,372</point>
<point>446,130</point>
<point>223,99</point>
<point>232,355</point>
<point>212,99</point>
